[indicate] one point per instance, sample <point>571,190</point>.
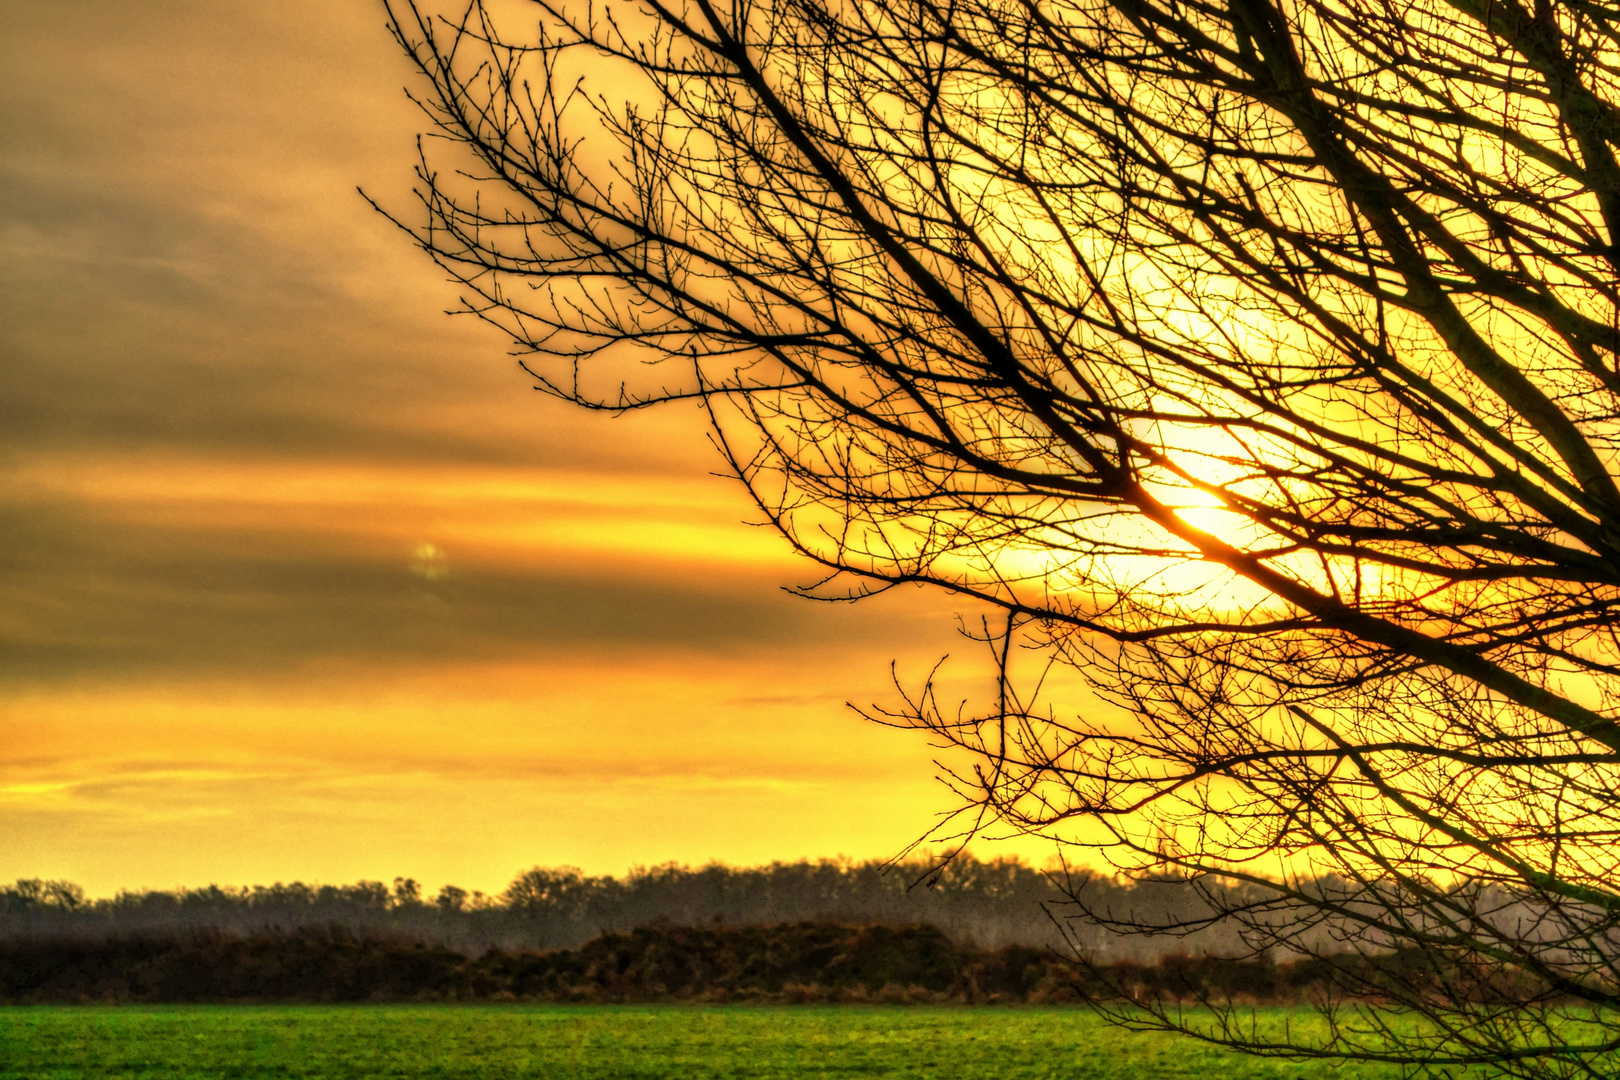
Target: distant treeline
<point>983,904</point>
<point>798,962</point>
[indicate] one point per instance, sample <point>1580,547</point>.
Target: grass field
<point>597,1042</point>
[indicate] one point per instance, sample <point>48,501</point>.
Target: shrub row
<point>805,961</point>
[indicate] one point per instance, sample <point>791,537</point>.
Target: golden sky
<point>299,578</point>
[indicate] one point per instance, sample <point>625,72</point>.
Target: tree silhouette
<point>1258,360</point>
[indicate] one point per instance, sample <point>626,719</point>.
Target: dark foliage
<point>306,966</point>
<point>791,962</point>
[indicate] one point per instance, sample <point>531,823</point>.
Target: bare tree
<point>1258,360</point>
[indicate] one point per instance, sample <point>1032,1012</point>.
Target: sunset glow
<point>302,580</point>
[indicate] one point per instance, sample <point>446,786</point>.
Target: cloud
<point>185,262</point>
<point>85,592</point>
<point>193,288</point>
<point>233,416</point>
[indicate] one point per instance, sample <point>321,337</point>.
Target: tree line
<point>990,904</point>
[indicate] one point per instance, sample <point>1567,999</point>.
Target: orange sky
<point>300,579</point>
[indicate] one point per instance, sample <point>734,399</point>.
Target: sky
<point>301,579</point>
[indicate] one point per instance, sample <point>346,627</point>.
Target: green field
<point>598,1042</point>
